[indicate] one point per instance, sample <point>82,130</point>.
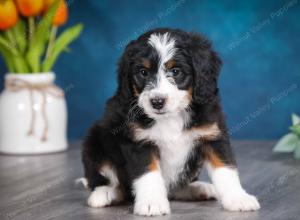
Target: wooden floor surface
<point>42,187</point>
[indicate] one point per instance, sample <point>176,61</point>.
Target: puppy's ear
<point>124,80</point>
<point>206,66</point>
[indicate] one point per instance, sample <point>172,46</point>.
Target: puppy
<point>163,124</point>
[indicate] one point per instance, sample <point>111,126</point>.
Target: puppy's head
<point>167,70</point>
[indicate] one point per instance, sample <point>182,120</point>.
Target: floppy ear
<point>206,65</point>
<point>123,74</point>
<point>124,80</point>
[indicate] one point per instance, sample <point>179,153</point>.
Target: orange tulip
<point>8,14</point>
<point>61,14</point>
<point>30,8</point>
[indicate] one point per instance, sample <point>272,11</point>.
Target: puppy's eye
<point>144,73</point>
<point>176,72</point>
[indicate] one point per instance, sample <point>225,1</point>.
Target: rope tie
<point>15,85</point>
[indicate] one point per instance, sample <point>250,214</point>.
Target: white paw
<point>152,207</point>
<point>240,201</point>
<point>101,196</point>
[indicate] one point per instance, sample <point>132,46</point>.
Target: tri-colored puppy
<point>164,124</point>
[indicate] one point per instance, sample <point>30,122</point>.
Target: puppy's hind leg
<point>195,191</point>
<point>100,171</point>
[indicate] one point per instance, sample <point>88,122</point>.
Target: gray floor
<point>41,187</point>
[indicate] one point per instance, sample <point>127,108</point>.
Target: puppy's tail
<point>82,181</point>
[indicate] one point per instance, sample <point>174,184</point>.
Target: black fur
<point>111,138</point>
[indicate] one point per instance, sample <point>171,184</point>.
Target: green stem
<point>52,38</point>
<point>31,25</point>
<point>12,40</point>
<point>18,60</point>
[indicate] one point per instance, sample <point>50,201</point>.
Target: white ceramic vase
<point>33,115</point>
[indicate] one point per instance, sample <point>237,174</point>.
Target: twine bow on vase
<point>15,85</point>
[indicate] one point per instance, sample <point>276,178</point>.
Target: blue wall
<point>258,41</point>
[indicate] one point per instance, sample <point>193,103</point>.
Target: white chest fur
<point>174,145</point>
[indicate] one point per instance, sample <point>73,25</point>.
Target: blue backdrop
<point>258,41</point>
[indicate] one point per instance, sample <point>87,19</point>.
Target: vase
<point>33,115</point>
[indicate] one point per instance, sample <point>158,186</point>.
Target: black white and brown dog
<point>163,124</point>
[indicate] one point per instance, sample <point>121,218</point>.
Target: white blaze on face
<point>176,100</point>
<point>164,45</point>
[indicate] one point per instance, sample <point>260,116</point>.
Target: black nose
<point>158,102</point>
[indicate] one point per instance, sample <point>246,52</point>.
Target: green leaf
<point>297,152</point>
<point>61,44</point>
<point>67,50</point>
<point>14,60</point>
<point>39,39</point>
<point>4,43</point>
<point>7,58</point>
<point>295,119</point>
<point>295,129</point>
<point>19,32</point>
<point>287,143</point>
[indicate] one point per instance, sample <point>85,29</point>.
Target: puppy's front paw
<point>240,201</point>
<point>152,207</point>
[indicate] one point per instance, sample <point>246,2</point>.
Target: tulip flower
<point>8,14</point>
<point>30,8</point>
<point>61,14</point>
<point>34,46</point>
<point>60,17</point>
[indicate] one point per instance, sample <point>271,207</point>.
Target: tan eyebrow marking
<point>170,64</point>
<point>146,63</point>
